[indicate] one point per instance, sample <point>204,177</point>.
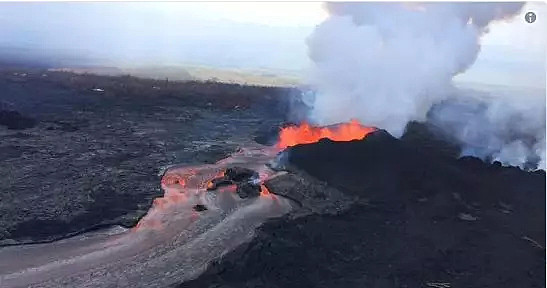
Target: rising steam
<point>509,130</point>
<point>386,64</point>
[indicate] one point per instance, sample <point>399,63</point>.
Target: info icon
<point>530,17</point>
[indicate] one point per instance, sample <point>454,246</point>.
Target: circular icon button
<point>530,17</point>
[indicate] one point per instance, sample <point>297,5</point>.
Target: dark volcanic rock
<point>239,174</point>
<point>244,178</point>
<point>423,218</point>
<point>269,135</point>
<point>310,195</point>
<point>95,159</point>
<point>14,120</point>
<point>245,190</point>
<point>199,207</point>
<point>427,136</point>
<point>219,182</point>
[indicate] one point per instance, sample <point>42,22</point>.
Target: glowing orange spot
<point>264,191</point>
<point>305,133</point>
<point>221,173</point>
<point>170,179</point>
<point>210,185</point>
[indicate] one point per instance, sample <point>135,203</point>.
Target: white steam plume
<point>509,130</point>
<point>388,63</point>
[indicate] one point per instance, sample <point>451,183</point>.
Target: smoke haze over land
<point>267,36</point>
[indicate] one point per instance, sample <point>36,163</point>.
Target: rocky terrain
<point>80,152</point>
<point>407,215</point>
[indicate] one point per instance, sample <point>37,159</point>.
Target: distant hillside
<point>192,72</point>
<point>60,60</point>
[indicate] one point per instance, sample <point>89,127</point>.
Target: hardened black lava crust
<point>419,218</point>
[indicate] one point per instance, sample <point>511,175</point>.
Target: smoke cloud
<point>508,130</point>
<point>386,64</point>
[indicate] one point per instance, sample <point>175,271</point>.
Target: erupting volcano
<point>362,145</point>
<point>306,134</point>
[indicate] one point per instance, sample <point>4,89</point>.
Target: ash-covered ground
<point>80,152</point>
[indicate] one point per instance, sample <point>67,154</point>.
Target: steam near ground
<point>390,63</point>
<point>506,127</point>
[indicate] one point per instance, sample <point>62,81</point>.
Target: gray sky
<point>233,34</point>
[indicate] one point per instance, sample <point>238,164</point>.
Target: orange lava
<point>174,179</point>
<point>220,174</point>
<point>264,191</point>
<point>170,179</point>
<point>305,133</point>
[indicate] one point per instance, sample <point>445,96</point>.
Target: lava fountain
<point>306,134</point>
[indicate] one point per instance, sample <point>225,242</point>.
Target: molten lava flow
<point>264,191</point>
<point>305,133</point>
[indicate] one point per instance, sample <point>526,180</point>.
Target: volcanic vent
<point>306,133</point>
<point>386,212</point>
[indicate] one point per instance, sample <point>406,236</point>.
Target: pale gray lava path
<point>171,244</point>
